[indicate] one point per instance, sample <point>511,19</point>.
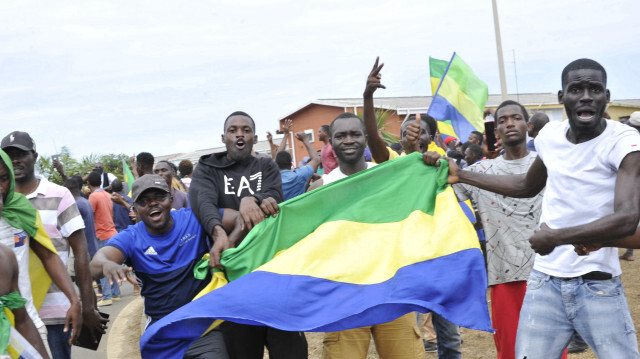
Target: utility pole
<point>503,81</point>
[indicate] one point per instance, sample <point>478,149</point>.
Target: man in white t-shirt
<point>591,168</point>
<point>397,338</point>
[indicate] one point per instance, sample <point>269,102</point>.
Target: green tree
<point>382,116</point>
<point>72,167</point>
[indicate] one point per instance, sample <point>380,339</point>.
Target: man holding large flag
<point>252,185</point>
<point>416,135</point>
<point>163,249</point>
<point>394,339</point>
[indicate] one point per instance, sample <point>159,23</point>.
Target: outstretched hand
<point>269,137</point>
<point>431,158</point>
<point>287,125</point>
<point>373,80</point>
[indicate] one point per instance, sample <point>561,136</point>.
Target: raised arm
<point>58,273</point>
<point>285,129</point>
<point>378,148</point>
<point>525,185</point>
<point>314,162</point>
<point>271,145</point>
<point>58,166</point>
<point>623,222</point>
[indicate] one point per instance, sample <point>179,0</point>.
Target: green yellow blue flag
<point>459,97</point>
<point>361,251</point>
<point>128,177</point>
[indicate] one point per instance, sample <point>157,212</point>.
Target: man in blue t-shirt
<point>294,182</point>
<point>163,249</point>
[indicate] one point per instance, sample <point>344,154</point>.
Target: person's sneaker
<point>430,347</point>
<point>575,347</point>
<point>115,299</point>
<point>104,302</point>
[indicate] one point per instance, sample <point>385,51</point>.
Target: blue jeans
<point>108,291</point>
<point>596,309</point>
<point>448,336</point>
<point>59,341</point>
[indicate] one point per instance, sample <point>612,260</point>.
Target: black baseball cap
<point>20,140</point>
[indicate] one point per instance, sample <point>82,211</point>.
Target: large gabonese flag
<point>361,251</point>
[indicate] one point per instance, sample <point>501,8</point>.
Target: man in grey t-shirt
<point>508,224</point>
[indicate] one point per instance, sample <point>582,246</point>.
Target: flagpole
<point>503,81</point>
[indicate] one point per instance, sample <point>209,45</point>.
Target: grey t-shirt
<point>180,200</point>
<point>508,222</point>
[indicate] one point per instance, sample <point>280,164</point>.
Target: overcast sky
<point>161,76</point>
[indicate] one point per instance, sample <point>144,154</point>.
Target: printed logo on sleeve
<point>19,239</point>
<point>150,251</point>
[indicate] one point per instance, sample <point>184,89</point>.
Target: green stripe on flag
<point>470,84</point>
<point>436,71</point>
<point>128,177</point>
<point>451,91</point>
<point>372,196</point>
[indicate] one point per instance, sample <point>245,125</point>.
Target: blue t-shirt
<point>293,182</point>
<point>121,215</point>
<point>89,225</point>
<point>164,263</point>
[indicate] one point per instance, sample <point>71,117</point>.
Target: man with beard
<point>251,185</point>
<point>163,249</point>
<point>590,169</point>
<point>395,339</point>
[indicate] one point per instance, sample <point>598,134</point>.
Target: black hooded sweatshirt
<point>218,182</point>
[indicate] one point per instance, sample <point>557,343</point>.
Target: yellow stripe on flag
<point>418,238</point>
<point>450,90</point>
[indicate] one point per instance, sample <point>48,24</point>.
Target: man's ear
<point>222,138</point>
<point>561,94</point>
<point>255,139</point>
<point>608,95</point>
<point>35,156</point>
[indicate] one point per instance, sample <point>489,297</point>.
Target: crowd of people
<point>553,202</point>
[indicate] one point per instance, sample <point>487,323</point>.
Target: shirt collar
<point>41,189</point>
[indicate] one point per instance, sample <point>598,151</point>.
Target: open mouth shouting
<point>586,115</point>
<point>155,213</point>
<point>240,144</point>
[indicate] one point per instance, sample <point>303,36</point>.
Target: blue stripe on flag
<point>441,109</point>
<point>452,286</point>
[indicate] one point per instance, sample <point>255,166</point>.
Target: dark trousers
<point>211,346</point>
<point>248,342</point>
<point>59,341</point>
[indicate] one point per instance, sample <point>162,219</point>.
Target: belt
<point>595,275</point>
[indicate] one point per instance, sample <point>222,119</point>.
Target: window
<point>310,135</point>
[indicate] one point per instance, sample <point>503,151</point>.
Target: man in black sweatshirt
<point>251,185</point>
